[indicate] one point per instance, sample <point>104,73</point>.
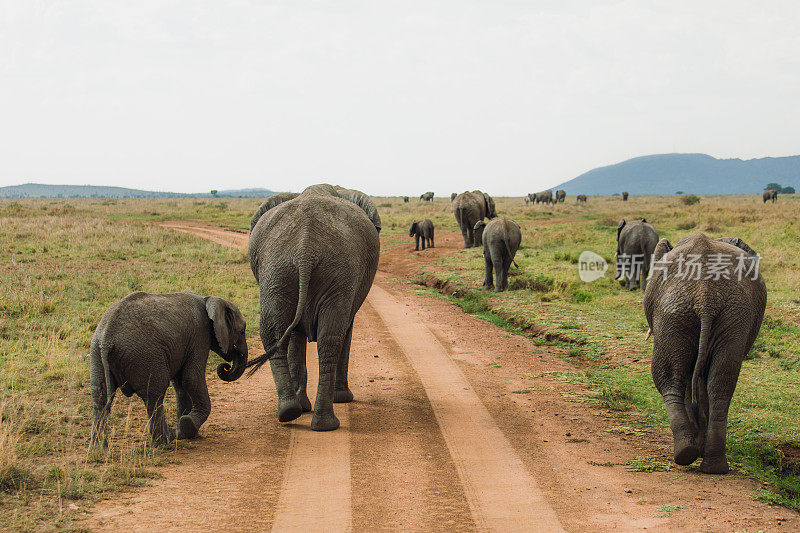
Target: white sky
<point>391,97</point>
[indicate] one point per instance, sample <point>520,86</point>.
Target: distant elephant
<point>635,244</point>
<point>531,198</point>
<point>545,197</point>
<point>501,239</point>
<point>424,230</point>
<point>314,258</point>
<point>477,232</point>
<point>469,208</point>
<point>527,200</point>
<point>145,340</point>
<point>770,194</point>
<point>453,196</point>
<point>703,326</point>
<point>625,196</point>
<point>405,199</point>
<point>581,198</point>
<point>427,197</point>
<point>561,196</point>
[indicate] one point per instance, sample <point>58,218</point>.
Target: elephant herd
<point>314,256</point>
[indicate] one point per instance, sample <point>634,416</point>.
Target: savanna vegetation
<point>62,262</point>
<point>601,327</point>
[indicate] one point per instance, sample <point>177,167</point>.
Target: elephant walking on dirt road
<point>469,208</point>
<point>145,340</point>
<point>703,327</point>
<point>314,258</point>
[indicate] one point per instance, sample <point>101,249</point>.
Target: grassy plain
<point>62,262</point>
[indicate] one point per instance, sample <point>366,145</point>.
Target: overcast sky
<point>391,97</point>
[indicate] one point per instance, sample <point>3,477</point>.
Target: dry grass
<point>61,265</point>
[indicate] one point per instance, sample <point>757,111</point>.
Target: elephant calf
<point>636,242</point>
<point>422,229</point>
<point>704,313</point>
<point>145,340</point>
<point>501,238</point>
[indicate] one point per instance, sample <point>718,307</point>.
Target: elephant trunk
<point>234,370</point>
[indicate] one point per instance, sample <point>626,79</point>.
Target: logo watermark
<point>692,267</point>
<point>591,266</point>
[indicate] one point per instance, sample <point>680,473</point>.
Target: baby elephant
<point>501,238</point>
<point>704,305</point>
<point>145,340</point>
<point>422,229</point>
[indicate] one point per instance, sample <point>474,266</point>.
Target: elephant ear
<point>662,248</point>
<point>739,243</point>
<point>479,224</point>
<point>490,209</point>
<point>363,201</point>
<point>619,227</point>
<point>268,204</point>
<point>217,310</point>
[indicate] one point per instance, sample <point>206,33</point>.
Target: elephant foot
<point>324,422</point>
<point>186,428</point>
<point>164,438</point>
<point>718,465</point>
<point>289,410</point>
<point>687,454</point>
<point>305,403</point>
<point>342,396</point>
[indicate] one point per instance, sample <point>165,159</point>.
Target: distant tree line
<point>777,187</point>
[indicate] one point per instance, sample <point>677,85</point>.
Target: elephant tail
<point>304,275</point>
<point>700,366</point>
<point>110,391</point>
<point>510,255</point>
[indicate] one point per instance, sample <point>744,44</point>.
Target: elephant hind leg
<point>329,349</point>
<point>154,402</point>
<point>672,353</point>
<point>342,392</point>
<point>723,373</point>
<point>296,358</point>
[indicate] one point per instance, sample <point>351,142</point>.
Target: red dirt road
<point>436,440</point>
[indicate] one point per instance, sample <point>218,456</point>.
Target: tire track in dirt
<point>315,493</point>
<point>502,494</point>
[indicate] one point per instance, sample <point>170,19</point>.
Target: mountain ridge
<point>692,173</point>
<point>41,190</point>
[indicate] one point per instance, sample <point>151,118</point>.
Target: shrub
<point>690,199</point>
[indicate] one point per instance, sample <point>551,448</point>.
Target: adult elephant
<point>625,196</point>
<point>545,197</point>
<point>501,238</point>
<point>469,208</point>
<point>531,198</point>
<point>770,194</point>
<point>426,197</point>
<point>581,198</point>
<point>561,195</point>
<point>635,244</point>
<point>703,327</point>
<point>314,258</point>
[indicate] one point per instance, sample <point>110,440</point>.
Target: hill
<point>690,173</point>
<point>37,190</point>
